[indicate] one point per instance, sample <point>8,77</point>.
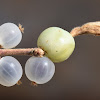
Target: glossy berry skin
<point>10,71</point>
<point>39,69</point>
<point>57,43</point>
<point>10,35</point>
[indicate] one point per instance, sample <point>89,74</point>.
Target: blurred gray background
<point>77,78</point>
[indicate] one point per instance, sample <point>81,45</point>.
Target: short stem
<point>26,51</point>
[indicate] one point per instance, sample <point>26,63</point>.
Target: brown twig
<point>88,28</point>
<point>27,52</point>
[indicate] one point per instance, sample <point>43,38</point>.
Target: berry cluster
<point>57,44</point>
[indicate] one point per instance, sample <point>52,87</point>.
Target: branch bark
<point>88,28</point>
<point>27,52</point>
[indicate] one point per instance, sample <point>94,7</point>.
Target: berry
<point>10,71</point>
<point>57,43</point>
<point>10,35</point>
<point>39,69</point>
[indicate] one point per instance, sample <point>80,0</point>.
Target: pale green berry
<point>57,43</point>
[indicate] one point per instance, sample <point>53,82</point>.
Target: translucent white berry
<point>10,71</point>
<point>10,35</point>
<point>39,69</point>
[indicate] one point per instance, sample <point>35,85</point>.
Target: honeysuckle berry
<point>57,43</point>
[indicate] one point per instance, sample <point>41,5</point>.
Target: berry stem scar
<point>21,28</point>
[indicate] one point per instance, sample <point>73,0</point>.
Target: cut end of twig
<point>34,84</point>
<point>19,82</point>
<point>21,28</point>
<point>88,28</point>
<point>38,52</point>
